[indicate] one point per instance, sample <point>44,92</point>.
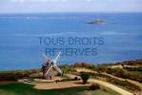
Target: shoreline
<point>109,63</point>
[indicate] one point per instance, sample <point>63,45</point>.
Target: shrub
<point>134,69</point>
<point>67,70</point>
<point>84,77</point>
<point>94,87</point>
<point>76,78</point>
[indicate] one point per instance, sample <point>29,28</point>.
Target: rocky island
<point>97,21</point>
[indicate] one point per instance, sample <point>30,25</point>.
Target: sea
<point>21,48</point>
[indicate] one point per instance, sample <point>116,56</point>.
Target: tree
<point>84,77</point>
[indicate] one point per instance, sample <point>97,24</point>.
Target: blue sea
<point>19,37</point>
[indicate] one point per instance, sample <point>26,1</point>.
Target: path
<point>106,84</point>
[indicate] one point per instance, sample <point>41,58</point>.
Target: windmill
<point>49,64</point>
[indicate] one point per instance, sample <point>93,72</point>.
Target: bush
<point>76,78</point>
<point>84,77</point>
<point>125,74</point>
<point>67,70</point>
<point>94,87</point>
<point>134,69</point>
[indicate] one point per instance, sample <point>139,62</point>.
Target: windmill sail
<point>57,69</point>
<point>57,58</point>
<point>49,64</point>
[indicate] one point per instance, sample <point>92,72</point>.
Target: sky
<point>44,6</point>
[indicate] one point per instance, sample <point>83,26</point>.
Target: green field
<point>25,89</point>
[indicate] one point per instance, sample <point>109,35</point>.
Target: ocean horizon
<point>20,46</point>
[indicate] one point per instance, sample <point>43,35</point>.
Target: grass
<point>25,89</point>
<point>96,92</point>
<point>141,85</point>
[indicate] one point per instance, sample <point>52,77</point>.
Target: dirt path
<point>106,84</point>
<point>59,85</point>
<point>85,70</point>
<point>68,84</point>
<point>111,86</point>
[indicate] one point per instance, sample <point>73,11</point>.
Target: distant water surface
<point>20,48</point>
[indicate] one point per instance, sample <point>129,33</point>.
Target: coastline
<point>112,74</point>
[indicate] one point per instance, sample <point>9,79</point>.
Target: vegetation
<point>83,65</point>
<point>132,62</point>
<point>133,69</point>
<point>94,87</point>
<point>67,69</point>
<point>122,83</point>
<point>17,74</point>
<point>125,74</point>
<point>84,77</point>
<point>125,84</point>
<point>25,89</point>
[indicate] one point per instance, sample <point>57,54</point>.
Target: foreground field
<point>25,89</point>
<point>124,78</point>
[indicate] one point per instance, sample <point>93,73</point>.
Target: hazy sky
<point>38,6</point>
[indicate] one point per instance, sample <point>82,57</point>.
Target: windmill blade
<point>57,69</point>
<point>46,58</point>
<point>48,70</point>
<point>56,59</point>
